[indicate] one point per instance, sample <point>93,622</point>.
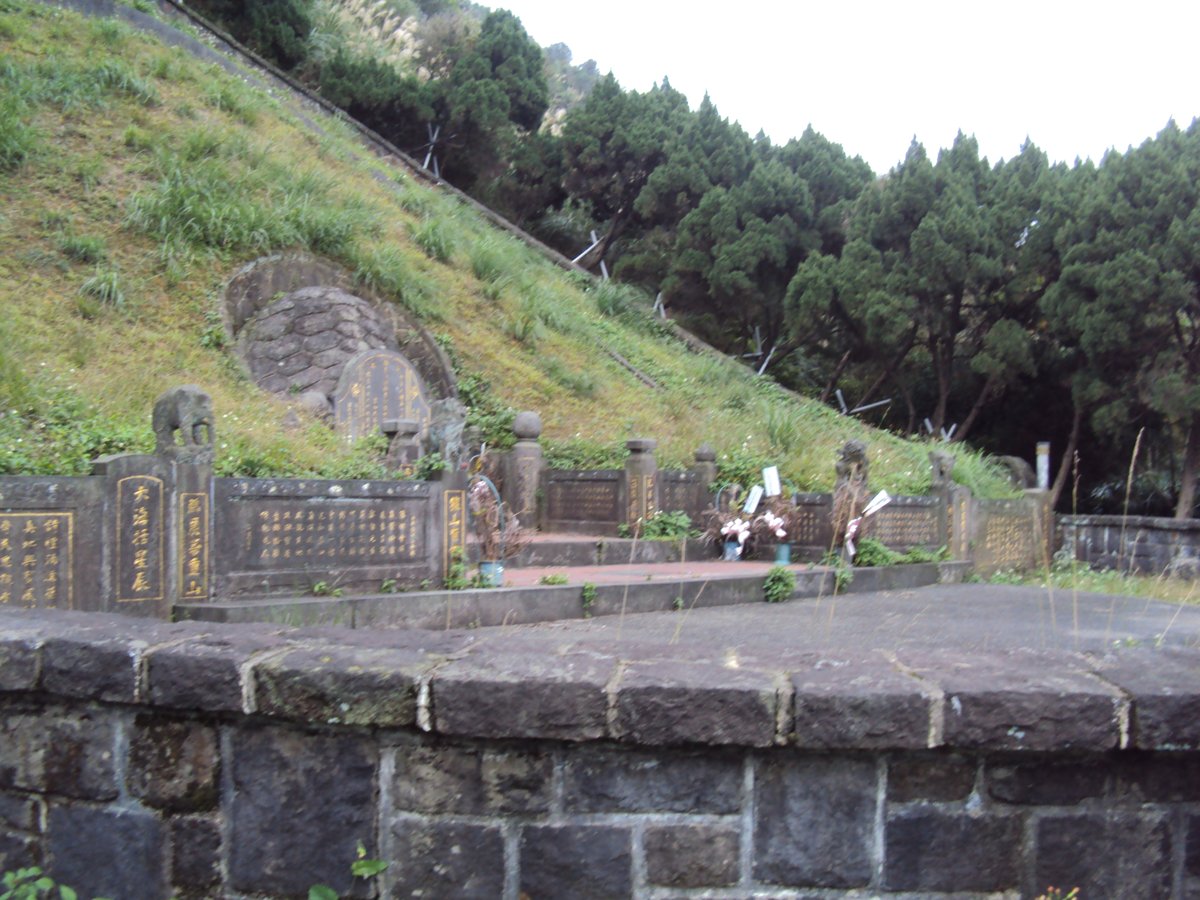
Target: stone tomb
<point>375,387</point>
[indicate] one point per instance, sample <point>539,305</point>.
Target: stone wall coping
<point>637,693</point>
<point>1129,523</point>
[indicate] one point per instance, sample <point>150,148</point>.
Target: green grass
<point>165,175</point>
<point>1075,576</point>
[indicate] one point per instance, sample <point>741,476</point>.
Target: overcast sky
<point>1075,78</point>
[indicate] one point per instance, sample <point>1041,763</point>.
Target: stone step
<point>614,590</point>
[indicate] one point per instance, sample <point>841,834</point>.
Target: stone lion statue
<point>850,489</point>
<point>183,425</point>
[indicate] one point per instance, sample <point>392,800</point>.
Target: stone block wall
<point>145,760</point>
<point>1142,544</point>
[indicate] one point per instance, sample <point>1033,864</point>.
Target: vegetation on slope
<point>135,181</point>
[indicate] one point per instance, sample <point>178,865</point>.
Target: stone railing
<point>145,760</point>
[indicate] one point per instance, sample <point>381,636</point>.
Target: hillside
<point>136,180</point>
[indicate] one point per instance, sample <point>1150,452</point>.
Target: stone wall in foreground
<point>146,760</point>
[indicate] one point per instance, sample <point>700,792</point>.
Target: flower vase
<point>783,554</point>
<point>731,551</point>
<point>492,572</point>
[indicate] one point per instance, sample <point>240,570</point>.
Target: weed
<point>387,586</point>
<point>578,381</point>
<point>492,262</point>
<point>456,572</point>
<point>434,238</point>
<point>363,867</point>
<point>779,583</point>
<point>667,526</point>
<point>83,248</point>
<point>32,884</point>
<point>587,596</point>
<point>213,337</point>
<point>429,467</point>
<point>554,578</point>
<point>104,286</point>
<point>235,98</point>
<point>325,589</point>
<point>383,268</point>
<point>18,139</point>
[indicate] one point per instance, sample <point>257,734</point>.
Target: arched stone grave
<point>377,386</point>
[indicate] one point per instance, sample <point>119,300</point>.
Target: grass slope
<point>136,180</point>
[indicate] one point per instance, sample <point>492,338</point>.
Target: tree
<point>1129,294</point>
<point>737,252</point>
<point>495,92</point>
<point>276,29</point>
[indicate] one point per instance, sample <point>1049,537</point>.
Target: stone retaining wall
<point>1143,544</point>
<point>144,760</point>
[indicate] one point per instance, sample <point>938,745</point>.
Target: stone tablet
<point>375,386</point>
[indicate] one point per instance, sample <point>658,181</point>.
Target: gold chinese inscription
<point>193,546</point>
<point>455,524</point>
<point>378,386</point>
<point>140,570</point>
<point>811,526</point>
<point>336,536</point>
<point>583,501</point>
<point>1008,539</point>
<point>35,559</point>
<point>641,497</point>
<point>905,526</point>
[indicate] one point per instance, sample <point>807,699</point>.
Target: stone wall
<point>146,534</point>
<point>144,760</point>
<point>1150,546</point>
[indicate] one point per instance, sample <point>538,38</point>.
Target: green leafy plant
<point>32,884</point>
<point>387,586</point>
<point>363,867</point>
<point>325,589</point>
<point>667,526</point>
<point>456,571</point>
<point>554,578</point>
<point>779,584</point>
<point>587,596</point>
<point>429,467</point>
<point>872,552</point>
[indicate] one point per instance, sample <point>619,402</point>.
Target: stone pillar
<point>641,480</point>
<point>705,468</point>
<point>404,446</point>
<point>523,469</point>
<point>1043,527</point>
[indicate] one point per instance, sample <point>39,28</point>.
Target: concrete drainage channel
<point>637,589</point>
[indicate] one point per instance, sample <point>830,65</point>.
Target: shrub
<point>779,584</point>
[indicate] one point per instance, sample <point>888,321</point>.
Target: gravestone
<point>378,386</point>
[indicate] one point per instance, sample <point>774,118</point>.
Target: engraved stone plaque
<point>193,546</point>
<point>140,574</point>
<point>584,499</point>
<point>377,386</point>
<point>36,551</point>
<point>294,535</point>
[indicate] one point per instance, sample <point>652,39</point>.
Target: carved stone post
<point>641,480</point>
<point>404,446</point>
<point>1043,527</point>
<point>523,469</point>
<point>705,468</point>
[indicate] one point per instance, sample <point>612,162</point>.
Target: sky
<point>1077,79</point>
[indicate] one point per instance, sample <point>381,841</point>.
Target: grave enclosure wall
<point>146,533</point>
<point>145,759</point>
<point>1142,544</point>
